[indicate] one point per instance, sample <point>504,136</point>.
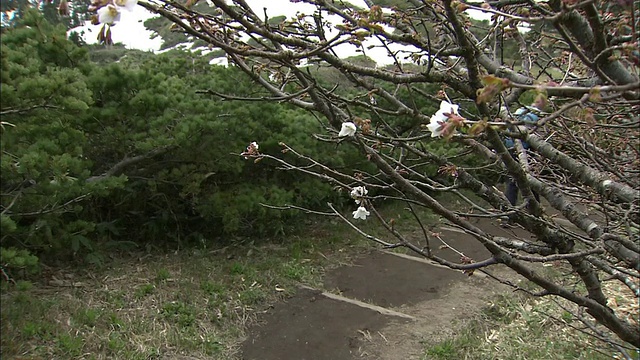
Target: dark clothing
<point>511,191</point>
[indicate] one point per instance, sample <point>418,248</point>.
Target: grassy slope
<point>199,301</point>
<point>193,301</point>
<point>516,326</point>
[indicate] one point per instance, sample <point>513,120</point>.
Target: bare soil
<point>311,326</point>
<point>391,281</point>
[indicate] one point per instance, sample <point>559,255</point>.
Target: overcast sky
<point>131,32</point>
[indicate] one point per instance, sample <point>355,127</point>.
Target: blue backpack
<point>529,118</point>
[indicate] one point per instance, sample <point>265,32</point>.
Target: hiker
<point>526,115</point>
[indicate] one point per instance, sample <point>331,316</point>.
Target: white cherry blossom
<point>358,193</point>
<point>108,14</point>
<point>348,129</point>
<point>438,120</point>
<point>252,149</point>
<point>361,213</point>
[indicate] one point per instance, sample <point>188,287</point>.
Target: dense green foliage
<point>125,152</point>
<point>44,165</point>
<point>171,38</point>
<point>105,148</point>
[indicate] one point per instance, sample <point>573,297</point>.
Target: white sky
<point>131,32</point>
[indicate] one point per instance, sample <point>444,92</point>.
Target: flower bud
<point>63,9</point>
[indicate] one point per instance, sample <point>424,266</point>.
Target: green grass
<point>144,290</point>
<point>200,301</point>
<point>196,301</point>
<point>70,345</point>
<point>179,313</point>
<point>22,285</point>
<point>455,348</point>
<point>513,327</point>
<point>86,317</point>
<point>162,275</point>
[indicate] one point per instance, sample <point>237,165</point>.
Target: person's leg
<point>511,192</point>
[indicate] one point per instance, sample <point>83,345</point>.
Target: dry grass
<point>512,328</point>
<point>197,303</point>
<point>193,303</point>
<point>622,301</point>
<point>522,327</point>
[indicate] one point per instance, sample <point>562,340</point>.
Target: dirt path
<point>384,306</point>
